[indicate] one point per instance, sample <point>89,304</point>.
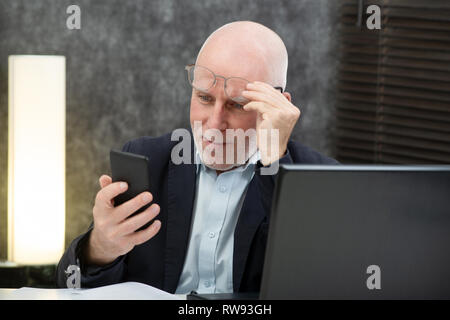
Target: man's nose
<point>218,117</point>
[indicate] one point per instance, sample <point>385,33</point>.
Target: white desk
<point>6,294</point>
<point>121,291</point>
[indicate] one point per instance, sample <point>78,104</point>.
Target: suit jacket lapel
<point>180,200</point>
<point>250,217</point>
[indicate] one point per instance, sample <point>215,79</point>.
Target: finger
<point>262,91</point>
<point>258,106</point>
<point>146,234</point>
<point>106,194</point>
<point>104,181</point>
<point>132,224</point>
<point>268,89</point>
<point>262,97</point>
<point>266,85</point>
<point>132,205</point>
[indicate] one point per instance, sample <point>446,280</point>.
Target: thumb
<point>104,181</point>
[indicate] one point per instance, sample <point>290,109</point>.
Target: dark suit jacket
<point>159,261</point>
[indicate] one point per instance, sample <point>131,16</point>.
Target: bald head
<point>248,50</point>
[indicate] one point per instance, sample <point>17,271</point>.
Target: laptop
<point>359,232</point>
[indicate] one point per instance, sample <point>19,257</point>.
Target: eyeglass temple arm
<point>279,88</point>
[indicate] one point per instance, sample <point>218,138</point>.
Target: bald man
<point>206,229</point>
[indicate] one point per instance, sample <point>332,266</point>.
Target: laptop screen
<point>359,232</point>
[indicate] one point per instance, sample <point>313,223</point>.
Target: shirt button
<point>222,189</point>
<point>211,235</point>
<point>207,284</point>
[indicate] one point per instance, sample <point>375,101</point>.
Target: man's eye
<point>204,98</point>
<point>236,105</point>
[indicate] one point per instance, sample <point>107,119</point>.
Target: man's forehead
<point>234,63</point>
<point>248,50</point>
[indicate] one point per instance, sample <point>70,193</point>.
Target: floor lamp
<point>36,159</point>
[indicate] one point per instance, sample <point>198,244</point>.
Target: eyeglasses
<point>203,79</point>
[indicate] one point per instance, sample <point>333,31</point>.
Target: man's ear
<point>287,95</point>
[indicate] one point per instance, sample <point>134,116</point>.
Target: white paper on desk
<point>120,291</point>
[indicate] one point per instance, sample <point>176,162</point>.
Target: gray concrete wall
<point>126,78</point>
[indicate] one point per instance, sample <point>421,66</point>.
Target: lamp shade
<point>36,158</point>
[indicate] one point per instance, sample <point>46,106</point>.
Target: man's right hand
<point>113,234</point>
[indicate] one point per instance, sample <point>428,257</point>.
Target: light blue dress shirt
<point>208,267</point>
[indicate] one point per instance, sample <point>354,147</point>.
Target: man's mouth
<point>211,140</point>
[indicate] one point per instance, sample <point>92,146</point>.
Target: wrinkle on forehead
<point>248,48</point>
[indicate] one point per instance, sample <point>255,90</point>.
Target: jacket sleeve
<point>267,182</point>
<point>91,276</point>
<point>295,153</point>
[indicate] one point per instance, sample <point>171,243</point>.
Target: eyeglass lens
<point>203,79</point>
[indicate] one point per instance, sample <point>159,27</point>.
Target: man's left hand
<point>275,111</point>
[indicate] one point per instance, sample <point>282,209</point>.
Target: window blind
<point>393,97</point>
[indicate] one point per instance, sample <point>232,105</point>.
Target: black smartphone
<point>134,170</point>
